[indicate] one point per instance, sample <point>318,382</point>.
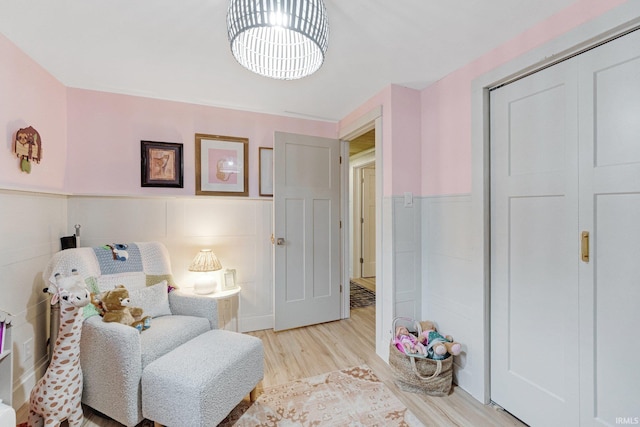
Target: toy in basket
<point>438,346</point>
<point>414,370</point>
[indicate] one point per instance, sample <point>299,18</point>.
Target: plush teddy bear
<point>113,306</point>
<point>437,345</point>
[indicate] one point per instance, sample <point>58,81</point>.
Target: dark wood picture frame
<point>211,152</point>
<point>161,164</point>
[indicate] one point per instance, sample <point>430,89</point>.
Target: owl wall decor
<point>27,147</point>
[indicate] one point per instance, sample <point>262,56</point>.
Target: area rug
<point>361,296</point>
<point>349,397</point>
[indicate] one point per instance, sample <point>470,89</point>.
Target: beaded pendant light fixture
<point>281,39</point>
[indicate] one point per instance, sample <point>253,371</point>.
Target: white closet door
<point>610,210</point>
<point>548,186</point>
<point>534,223</point>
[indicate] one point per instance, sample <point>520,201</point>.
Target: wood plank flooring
<point>366,282</point>
<point>305,352</point>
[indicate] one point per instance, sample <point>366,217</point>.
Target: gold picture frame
<point>222,165</point>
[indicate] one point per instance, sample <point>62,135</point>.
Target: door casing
<point>384,279</point>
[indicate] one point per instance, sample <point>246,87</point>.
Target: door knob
<point>280,241</point>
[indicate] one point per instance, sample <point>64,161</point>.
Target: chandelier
<point>281,39</point>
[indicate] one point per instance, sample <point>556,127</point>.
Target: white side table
<point>224,297</point>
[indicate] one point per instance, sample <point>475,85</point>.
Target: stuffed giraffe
<point>56,397</point>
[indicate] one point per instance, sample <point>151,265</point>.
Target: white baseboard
<point>28,381</point>
<point>257,323</point>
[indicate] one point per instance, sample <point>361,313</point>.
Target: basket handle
<point>424,377</point>
<point>395,322</point>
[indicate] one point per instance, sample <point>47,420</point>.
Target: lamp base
<point>205,285</point>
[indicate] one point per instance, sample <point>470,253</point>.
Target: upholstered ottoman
<point>201,381</point>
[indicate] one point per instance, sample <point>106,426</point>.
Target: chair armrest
<point>111,360</point>
<point>193,305</point>
<point>115,343</point>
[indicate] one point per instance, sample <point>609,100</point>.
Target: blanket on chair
<point>134,265</point>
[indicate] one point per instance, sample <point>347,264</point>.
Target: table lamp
<point>205,262</point>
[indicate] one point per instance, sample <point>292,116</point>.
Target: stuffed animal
<point>113,306</point>
<point>408,343</point>
<point>57,395</point>
<point>437,345</point>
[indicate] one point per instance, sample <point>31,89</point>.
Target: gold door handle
<point>584,246</point>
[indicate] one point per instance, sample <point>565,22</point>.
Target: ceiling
<point>364,142</point>
<point>178,50</point>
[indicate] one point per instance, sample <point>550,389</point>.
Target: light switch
<point>408,199</point>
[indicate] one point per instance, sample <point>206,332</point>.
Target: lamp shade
<point>281,39</point>
<point>205,261</point>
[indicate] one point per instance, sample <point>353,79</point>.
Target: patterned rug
<point>361,296</point>
<point>349,397</point>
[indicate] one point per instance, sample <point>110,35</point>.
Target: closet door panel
<point>609,90</point>
<point>617,94</point>
<point>617,292</point>
<point>534,211</point>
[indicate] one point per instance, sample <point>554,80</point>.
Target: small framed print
<point>161,164</point>
<point>266,171</point>
<point>222,165</point>
<point>230,279</point>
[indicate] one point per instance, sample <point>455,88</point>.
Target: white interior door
<point>565,159</point>
<point>534,227</point>
<point>307,230</point>
<point>610,210</point>
<point>368,221</point>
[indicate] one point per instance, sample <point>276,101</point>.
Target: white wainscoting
<point>407,250</point>
<point>31,225</point>
<point>451,297</point>
<point>399,286</point>
<point>237,230</point>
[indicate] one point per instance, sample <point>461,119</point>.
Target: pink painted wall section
<point>31,97</point>
<point>446,136</point>
<point>446,105</point>
<point>405,142</point>
<point>400,137</point>
<point>105,131</point>
<point>381,99</point>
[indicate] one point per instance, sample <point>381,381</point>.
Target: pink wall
<point>400,137</point>
<point>31,97</point>
<point>96,136</point>
<point>105,131</point>
<point>405,143</point>
<point>446,105</point>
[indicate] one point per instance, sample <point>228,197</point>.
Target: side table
<point>225,297</point>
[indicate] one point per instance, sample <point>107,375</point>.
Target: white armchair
<point>113,356</point>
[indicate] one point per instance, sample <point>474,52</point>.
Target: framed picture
<point>230,279</point>
<point>266,171</point>
<point>222,165</point>
<point>160,164</point>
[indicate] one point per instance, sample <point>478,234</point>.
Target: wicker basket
<point>420,375</point>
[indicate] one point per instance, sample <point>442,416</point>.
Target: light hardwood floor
<point>366,282</point>
<point>314,350</point>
